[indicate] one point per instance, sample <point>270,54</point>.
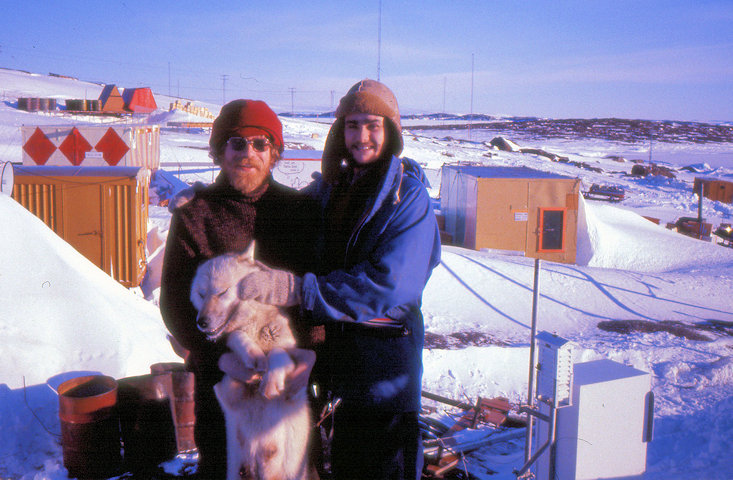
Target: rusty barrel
<point>90,433</point>
<point>148,435</point>
<point>34,104</point>
<point>182,402</point>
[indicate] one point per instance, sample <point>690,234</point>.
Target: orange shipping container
<point>511,208</point>
<point>100,211</point>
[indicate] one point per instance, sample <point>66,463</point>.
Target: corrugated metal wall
<point>39,199</point>
<point>120,204</point>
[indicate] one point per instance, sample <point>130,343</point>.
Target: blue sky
<point>651,59</point>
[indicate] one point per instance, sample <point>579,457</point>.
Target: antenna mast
<point>224,89</point>
<point>470,119</point>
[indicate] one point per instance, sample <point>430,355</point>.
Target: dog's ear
<point>249,254</point>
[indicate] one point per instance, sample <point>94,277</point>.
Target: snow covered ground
<point>61,316</point>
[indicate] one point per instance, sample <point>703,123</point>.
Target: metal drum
<point>90,427</point>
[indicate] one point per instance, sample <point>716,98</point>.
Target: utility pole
<point>651,140</point>
<point>332,92</point>
<point>292,100</point>
<point>379,43</point>
<point>224,89</point>
<point>445,80</point>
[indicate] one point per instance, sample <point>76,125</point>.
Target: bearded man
<point>243,204</point>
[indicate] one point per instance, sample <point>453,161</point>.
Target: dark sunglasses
<point>240,144</point>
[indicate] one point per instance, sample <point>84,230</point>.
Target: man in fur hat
<point>380,244</point>
<point>243,204</point>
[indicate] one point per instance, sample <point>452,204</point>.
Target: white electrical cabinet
<point>554,385</point>
<point>604,432</point>
<point>555,376</point>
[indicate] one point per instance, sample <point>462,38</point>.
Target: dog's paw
<point>249,353</point>
<point>273,382</point>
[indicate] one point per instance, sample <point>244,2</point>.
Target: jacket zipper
<point>362,221</point>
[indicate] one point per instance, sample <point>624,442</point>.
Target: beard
<point>248,183</point>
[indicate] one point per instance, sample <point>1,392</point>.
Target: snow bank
<point>620,239</point>
<point>60,313</point>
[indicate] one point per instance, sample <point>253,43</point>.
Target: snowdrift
<point>60,313</point>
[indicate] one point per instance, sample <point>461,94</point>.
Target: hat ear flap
<point>394,137</point>
<point>333,152</point>
<point>214,157</point>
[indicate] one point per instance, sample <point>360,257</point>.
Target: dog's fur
<point>267,431</point>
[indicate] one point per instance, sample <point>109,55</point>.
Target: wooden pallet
<point>445,452</point>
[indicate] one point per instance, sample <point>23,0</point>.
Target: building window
<point>552,230</point>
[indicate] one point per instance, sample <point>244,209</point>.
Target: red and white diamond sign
<point>39,147</point>
<point>92,145</point>
<point>75,147</point>
<point>113,148</point>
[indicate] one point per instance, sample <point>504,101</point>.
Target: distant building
<point>139,100</point>
<point>111,100</point>
<point>714,189</point>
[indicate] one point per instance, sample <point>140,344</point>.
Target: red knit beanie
<point>243,118</point>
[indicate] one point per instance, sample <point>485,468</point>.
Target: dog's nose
<point>202,323</point>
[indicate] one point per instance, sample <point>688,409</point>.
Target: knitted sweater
<point>220,220</point>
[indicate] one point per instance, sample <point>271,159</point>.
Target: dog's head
<point>214,290</point>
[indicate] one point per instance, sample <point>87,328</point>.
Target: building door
<point>552,230</point>
<point>82,220</point>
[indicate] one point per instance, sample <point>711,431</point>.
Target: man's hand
<point>230,364</point>
<point>271,286</point>
<point>295,381</point>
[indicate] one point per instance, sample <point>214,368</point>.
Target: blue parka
<point>371,306</point>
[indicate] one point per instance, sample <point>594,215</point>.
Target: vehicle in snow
<point>609,193</point>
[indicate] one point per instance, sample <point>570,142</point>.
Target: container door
<point>553,217</point>
<point>83,220</point>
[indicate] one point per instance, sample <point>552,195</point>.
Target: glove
<point>184,196</point>
<point>271,286</point>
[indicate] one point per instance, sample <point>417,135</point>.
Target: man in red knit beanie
<point>243,204</point>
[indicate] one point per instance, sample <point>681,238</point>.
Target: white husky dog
<point>267,431</point>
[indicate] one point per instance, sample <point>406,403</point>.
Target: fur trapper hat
<point>243,118</point>
<point>370,97</point>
